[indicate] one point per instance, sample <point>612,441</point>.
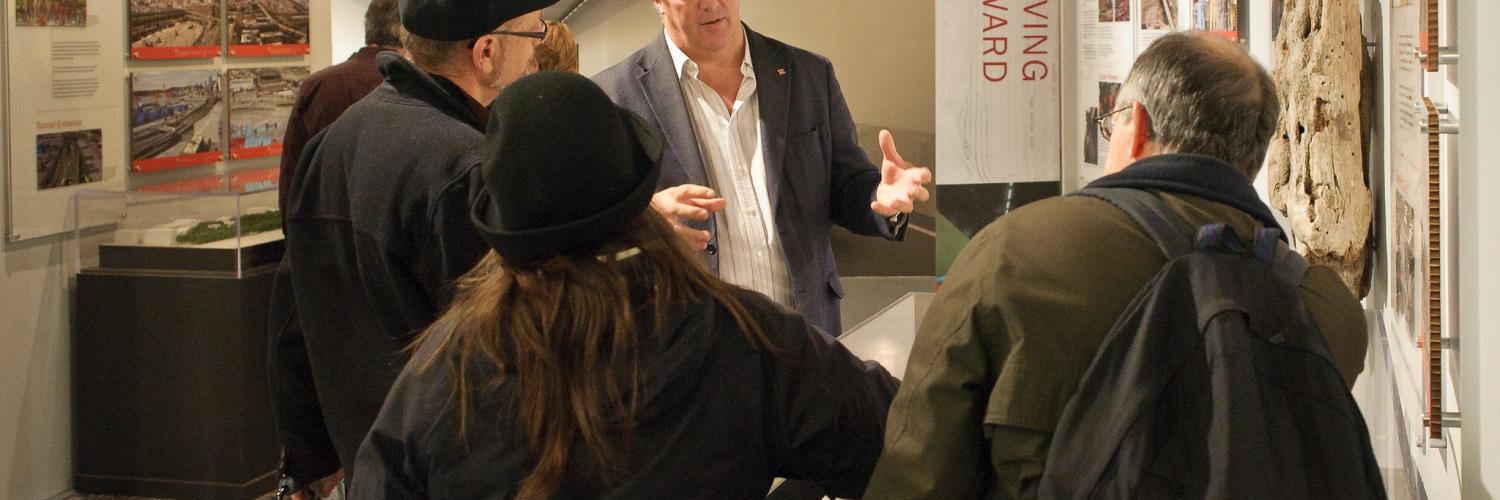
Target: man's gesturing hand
<point>900,182</point>
<point>688,202</point>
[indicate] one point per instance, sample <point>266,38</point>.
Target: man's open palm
<point>901,183</point>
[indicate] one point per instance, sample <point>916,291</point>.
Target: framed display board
<point>185,29</point>
<point>260,103</point>
<point>265,28</point>
<point>176,119</point>
<point>64,100</point>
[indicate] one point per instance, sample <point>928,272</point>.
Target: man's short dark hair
<point>1204,95</point>
<point>383,24</point>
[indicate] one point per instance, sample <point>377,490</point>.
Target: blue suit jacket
<point>816,174</point>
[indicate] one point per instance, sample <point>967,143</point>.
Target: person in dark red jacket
<point>326,94</point>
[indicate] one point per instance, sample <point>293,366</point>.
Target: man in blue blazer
<point>762,156</point>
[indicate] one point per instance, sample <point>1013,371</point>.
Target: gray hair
<point>1204,95</point>
<point>383,24</point>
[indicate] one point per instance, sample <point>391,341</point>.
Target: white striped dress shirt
<point>750,253</point>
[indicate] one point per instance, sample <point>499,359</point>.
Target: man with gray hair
<point>1027,304</point>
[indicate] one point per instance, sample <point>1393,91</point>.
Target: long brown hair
<point>564,330</point>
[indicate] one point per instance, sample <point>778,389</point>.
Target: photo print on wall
<point>260,103</point>
<point>1114,11</point>
<point>69,158</point>
<point>268,28</point>
<point>1159,14</point>
<point>1406,269</point>
<point>1221,17</point>
<point>67,13</point>
<point>176,119</point>
<point>175,29</point>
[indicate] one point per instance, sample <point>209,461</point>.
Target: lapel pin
<point>781,71</point>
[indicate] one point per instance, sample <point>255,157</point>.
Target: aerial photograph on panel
<point>69,158</point>
<point>176,119</point>
<point>174,29</point>
<point>259,28</point>
<point>260,103</point>
<point>52,12</point>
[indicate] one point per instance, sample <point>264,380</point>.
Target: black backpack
<point>1214,382</point>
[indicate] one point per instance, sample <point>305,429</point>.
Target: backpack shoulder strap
<point>1172,234</point>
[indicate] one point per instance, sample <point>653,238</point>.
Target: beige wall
<point>1479,249</point>
<point>882,50</point>
<point>36,447</point>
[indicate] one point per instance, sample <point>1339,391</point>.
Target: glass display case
<point>173,287</point>
<point>206,232</point>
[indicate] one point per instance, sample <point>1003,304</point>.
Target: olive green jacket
<point>1015,326</point>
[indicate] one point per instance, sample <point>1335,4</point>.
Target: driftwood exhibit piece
<point>1317,157</point>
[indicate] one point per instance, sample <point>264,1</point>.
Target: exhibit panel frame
<point>150,42</point>
<point>63,99</point>
<point>1417,232</point>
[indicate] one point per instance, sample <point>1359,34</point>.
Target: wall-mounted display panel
<point>176,119</point>
<point>267,28</point>
<point>260,103</point>
<point>65,99</point>
<point>175,29</point>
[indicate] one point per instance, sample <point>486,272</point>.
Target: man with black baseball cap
<point>377,222</point>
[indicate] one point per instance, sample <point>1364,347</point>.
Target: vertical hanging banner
<point>999,104</point>
<point>998,97</point>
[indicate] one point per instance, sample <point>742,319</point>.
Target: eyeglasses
<point>539,35</point>
<point>1106,128</point>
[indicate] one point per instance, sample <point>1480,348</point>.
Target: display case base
<point>170,395</point>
